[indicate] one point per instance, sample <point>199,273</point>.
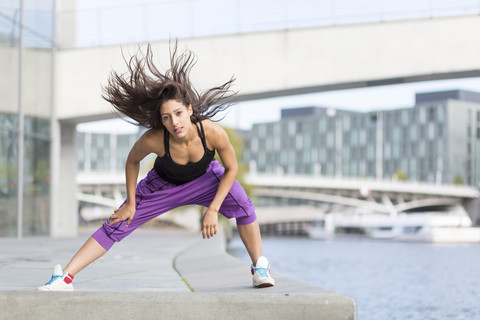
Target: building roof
<point>463,95</point>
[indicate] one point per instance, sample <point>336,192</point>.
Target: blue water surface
<point>389,280</point>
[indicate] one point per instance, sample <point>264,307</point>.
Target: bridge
<point>374,195</point>
<point>368,195</point>
<point>288,62</point>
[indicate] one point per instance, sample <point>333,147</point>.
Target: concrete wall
<point>64,203</point>
<point>36,81</point>
<point>9,84</point>
<point>291,61</point>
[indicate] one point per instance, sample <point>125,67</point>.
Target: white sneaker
<point>261,274</point>
<point>60,281</point>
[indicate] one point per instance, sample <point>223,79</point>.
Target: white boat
<point>449,226</point>
<point>443,235</point>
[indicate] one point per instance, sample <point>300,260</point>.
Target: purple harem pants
<point>155,196</point>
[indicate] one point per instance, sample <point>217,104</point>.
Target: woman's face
<point>176,117</point>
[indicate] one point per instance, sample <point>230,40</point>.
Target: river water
<point>389,280</point>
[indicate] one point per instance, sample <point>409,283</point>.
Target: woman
<point>185,172</point>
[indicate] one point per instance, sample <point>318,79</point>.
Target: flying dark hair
<point>140,92</point>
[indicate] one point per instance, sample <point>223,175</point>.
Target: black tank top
<point>176,173</point>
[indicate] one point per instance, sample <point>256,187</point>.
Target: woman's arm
<point>139,151</point>
<point>219,140</point>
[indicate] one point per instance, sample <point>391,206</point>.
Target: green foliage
<point>41,171</point>
<point>238,143</point>
<point>400,175</point>
<point>458,179</point>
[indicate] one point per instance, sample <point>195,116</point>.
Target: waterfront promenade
<point>154,274</point>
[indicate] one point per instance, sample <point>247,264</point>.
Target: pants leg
<point>152,199</point>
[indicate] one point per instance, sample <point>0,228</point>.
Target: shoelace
<point>263,272</point>
<point>53,279</point>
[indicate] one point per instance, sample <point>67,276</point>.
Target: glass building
<point>104,152</point>
<point>25,115</point>
<point>436,141</point>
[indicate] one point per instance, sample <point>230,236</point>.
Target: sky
<point>243,115</point>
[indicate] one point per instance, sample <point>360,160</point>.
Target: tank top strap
<point>201,134</point>
<point>166,141</point>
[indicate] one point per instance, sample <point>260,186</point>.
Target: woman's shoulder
<point>212,129</point>
<point>152,139</point>
<point>152,134</point>
<point>214,133</point>
<point>211,126</point>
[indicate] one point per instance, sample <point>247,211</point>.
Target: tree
<point>400,175</point>
<point>458,179</point>
<point>238,143</point>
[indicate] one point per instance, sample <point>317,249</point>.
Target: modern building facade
<point>437,140</point>
<point>25,116</point>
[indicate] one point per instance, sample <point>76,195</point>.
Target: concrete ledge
<point>211,272</point>
<point>147,305</point>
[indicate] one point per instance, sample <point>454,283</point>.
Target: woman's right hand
<point>125,212</point>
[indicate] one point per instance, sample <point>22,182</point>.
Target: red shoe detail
<point>68,278</point>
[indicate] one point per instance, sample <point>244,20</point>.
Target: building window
<point>262,131</point>
<point>314,155</point>
<point>422,116</point>
<point>346,124</point>
<point>387,151</point>
<point>396,150</point>
<point>413,168</point>
<point>413,149</point>
<point>299,127</point>
<point>283,157</point>
<point>421,149</point>
<point>269,144</point>
<point>322,155</point>
<point>370,152</point>
<point>307,141</point>
<point>431,131</point>
<point>299,142</point>
<point>291,128</point>
<point>362,137</point>
<point>431,114</point>
<point>421,131</point>
<point>346,153</point>
<point>440,147</point>
<point>396,134</point>
<point>330,139</point>
<point>261,159</point>
<point>306,156</point>
<point>276,143</point>
<point>322,125</point>
<point>439,130</point>
<point>440,113</point>
<point>254,145</point>
<point>276,129</point>
<point>405,117</point>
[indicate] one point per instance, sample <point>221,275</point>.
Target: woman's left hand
<point>209,223</point>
